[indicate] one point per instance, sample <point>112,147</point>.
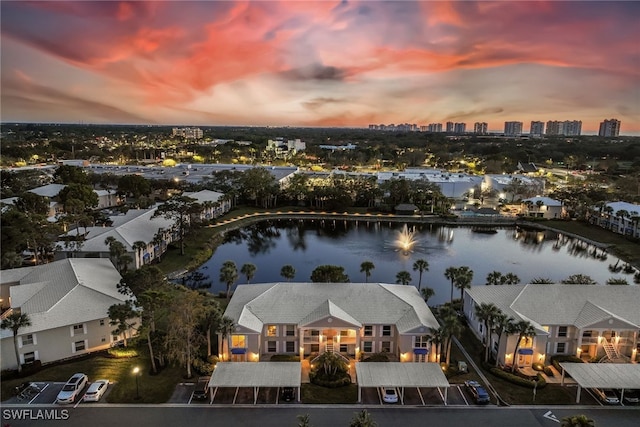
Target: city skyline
<point>328,63</point>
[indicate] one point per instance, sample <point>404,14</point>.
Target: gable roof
<point>64,292</point>
<point>354,303</point>
<point>204,196</point>
<point>546,201</point>
<point>577,305</point>
<point>49,190</point>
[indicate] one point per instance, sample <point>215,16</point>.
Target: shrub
<point>377,357</point>
<point>548,371</point>
<point>31,368</point>
<point>205,367</point>
<point>557,360</point>
<point>538,367</point>
<point>515,379</point>
<point>122,352</point>
<point>284,358</point>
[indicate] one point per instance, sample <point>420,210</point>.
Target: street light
<point>136,370</point>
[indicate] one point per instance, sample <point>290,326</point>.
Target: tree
<point>179,209</point>
<point>366,268</point>
<point>617,281</point>
<point>225,328</point>
<point>502,324</point>
<point>436,337</point>
<point>577,421</point>
<point>420,266</point>
<point>487,312</point>
<point>509,279</point>
<point>66,174</point>
<point>329,274</point>
<point>427,293</point>
<point>362,419</point>
<point>403,277</point>
<point>451,327</point>
<point>541,281</point>
<point>494,278</point>
<point>81,192</point>
<point>185,317</point>
<point>579,279</point>
<point>304,420</point>
<point>134,186</point>
<point>525,330</point>
<point>288,272</point>
<point>118,254</point>
<point>152,301</point>
<point>259,185</point>
<point>463,280</point>
<point>248,270</point>
<point>228,275</point>
<point>139,246</point>
<point>120,316</point>
<point>16,321</point>
<point>450,273</point>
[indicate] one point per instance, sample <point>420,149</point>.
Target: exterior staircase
<point>613,355</point>
<point>329,347</point>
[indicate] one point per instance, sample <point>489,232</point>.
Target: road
<point>320,416</point>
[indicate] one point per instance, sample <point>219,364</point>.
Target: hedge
<point>557,360</point>
<point>541,383</point>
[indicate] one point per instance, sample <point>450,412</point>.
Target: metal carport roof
<point>256,375</point>
<point>603,375</point>
<point>396,374</point>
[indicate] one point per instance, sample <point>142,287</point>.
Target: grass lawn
<point>312,393</point>
<point>153,389</point>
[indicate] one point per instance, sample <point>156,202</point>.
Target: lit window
<point>344,333</point>
<point>386,346</point>
<point>272,330</point>
<point>238,341</point>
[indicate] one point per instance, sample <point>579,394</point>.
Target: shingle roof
<point>360,303</point>
<point>65,292</point>
<point>578,305</point>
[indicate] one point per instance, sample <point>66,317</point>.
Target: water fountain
<point>405,240</point>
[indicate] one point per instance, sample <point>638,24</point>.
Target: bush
<point>30,368</point>
<point>122,352</point>
<point>557,360</point>
<point>284,358</point>
<point>515,379</point>
<point>377,357</point>
<point>205,367</point>
<point>548,371</point>
<point>538,367</point>
<point>341,382</point>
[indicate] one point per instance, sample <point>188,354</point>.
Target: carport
<point>400,375</point>
<point>255,375</point>
<point>602,375</point>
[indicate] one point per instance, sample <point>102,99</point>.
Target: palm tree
<point>139,246</point>
<point>451,327</point>
<point>577,421</point>
<point>493,278</point>
<point>541,281</point>
<point>362,419</point>
<point>16,321</point>
<point>288,272</point>
<point>304,420</point>
<point>525,330</point>
<point>403,277</point>
<point>463,280</point>
<point>487,312</point>
<point>450,273</point>
<point>427,293</point>
<point>249,270</point>
<point>510,279</point>
<point>228,275</point>
<point>502,324</point>
<point>225,327</point>
<point>420,266</point>
<point>366,268</point>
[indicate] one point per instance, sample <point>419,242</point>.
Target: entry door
<point>524,360</point>
<point>419,358</point>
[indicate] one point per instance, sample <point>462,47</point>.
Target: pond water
<point>307,244</point>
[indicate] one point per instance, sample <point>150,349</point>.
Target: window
<point>386,330</point>
<point>103,339</point>
<point>238,341</point>
<point>102,322</point>
<point>422,342</point>
<point>291,347</point>
<point>344,348</point>
<point>291,330</point>
<point>344,333</point>
<point>367,346</point>
<point>368,331</point>
<point>560,347</point>
<point>315,333</point>
<point>315,348</point>
<point>78,329</point>
<point>272,346</point>
<point>386,346</point>
<point>272,330</point>
<point>78,346</point>
<point>562,331</point>
<point>586,334</point>
<point>27,339</point>
<point>29,357</point>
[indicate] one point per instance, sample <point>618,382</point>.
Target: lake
<point>305,244</point>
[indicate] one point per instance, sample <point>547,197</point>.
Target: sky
<point>321,63</point>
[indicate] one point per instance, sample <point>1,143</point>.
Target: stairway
<point>610,350</point>
<point>329,347</point>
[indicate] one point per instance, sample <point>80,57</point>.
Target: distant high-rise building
<point>567,127</point>
<point>434,127</point>
<point>537,128</point>
<point>459,127</point>
<point>512,128</point>
<point>187,133</point>
<point>609,128</point>
<point>449,127</point>
<point>553,127</point>
<point>480,128</point>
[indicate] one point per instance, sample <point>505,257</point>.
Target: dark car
<point>630,397</point>
<point>288,394</point>
<point>201,391</point>
<point>478,392</point>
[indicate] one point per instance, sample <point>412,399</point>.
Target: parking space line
<point>235,395</point>
<point>463,396</point>
<point>379,396</point>
<point>190,399</point>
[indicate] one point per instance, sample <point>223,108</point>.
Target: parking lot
<point>456,395</point>
<point>48,394</point>
<point>227,396</point>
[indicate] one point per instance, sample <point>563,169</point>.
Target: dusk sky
<point>326,63</point>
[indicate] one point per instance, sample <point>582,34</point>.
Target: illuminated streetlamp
<point>136,371</point>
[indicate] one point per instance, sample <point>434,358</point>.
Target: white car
<point>96,390</point>
<point>389,395</point>
<point>72,389</point>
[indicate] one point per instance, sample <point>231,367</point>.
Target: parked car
<point>389,395</point>
<point>288,394</point>
<point>96,390</point>
<point>607,395</point>
<point>478,392</point>
<point>72,389</point>
<point>201,391</point>
<point>630,397</point>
